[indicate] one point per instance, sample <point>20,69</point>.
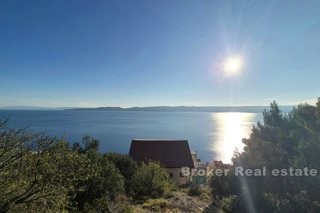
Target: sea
<point>212,135</point>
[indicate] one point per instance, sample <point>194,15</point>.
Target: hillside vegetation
<point>41,173</point>
<point>283,141</point>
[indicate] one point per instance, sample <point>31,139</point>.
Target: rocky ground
<point>179,201</point>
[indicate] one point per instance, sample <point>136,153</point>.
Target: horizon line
<point>151,106</point>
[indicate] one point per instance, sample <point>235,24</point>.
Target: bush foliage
<point>280,142</point>
<point>150,180</point>
<point>39,173</point>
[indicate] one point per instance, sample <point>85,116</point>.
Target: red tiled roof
<point>170,153</point>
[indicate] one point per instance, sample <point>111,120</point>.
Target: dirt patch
<point>178,203</point>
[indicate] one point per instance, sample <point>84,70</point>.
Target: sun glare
<point>233,126</point>
<point>233,65</point>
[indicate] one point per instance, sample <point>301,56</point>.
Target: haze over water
<point>214,136</point>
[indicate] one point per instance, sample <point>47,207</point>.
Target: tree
<point>39,173</point>
<point>103,180</point>
<point>149,180</point>
<point>125,165</point>
<point>33,171</point>
<point>281,142</point>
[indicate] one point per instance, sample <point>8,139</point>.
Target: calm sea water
<point>211,135</point>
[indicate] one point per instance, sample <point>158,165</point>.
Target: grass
<point>155,204</point>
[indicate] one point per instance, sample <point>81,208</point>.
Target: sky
<point>149,53</point>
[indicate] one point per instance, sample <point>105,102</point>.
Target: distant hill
<point>256,109</point>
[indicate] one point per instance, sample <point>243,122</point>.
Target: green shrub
<point>125,165</point>
<point>229,204</point>
<point>155,204</point>
<point>205,196</point>
<point>149,181</point>
<point>194,190</point>
<point>168,190</point>
<point>121,205</point>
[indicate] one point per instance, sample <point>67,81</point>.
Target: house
<point>172,154</point>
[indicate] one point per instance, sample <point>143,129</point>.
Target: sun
<point>233,65</point>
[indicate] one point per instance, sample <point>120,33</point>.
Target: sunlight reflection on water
<point>231,128</point>
<point>214,136</point>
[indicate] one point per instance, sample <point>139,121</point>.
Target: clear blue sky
<point>142,53</point>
